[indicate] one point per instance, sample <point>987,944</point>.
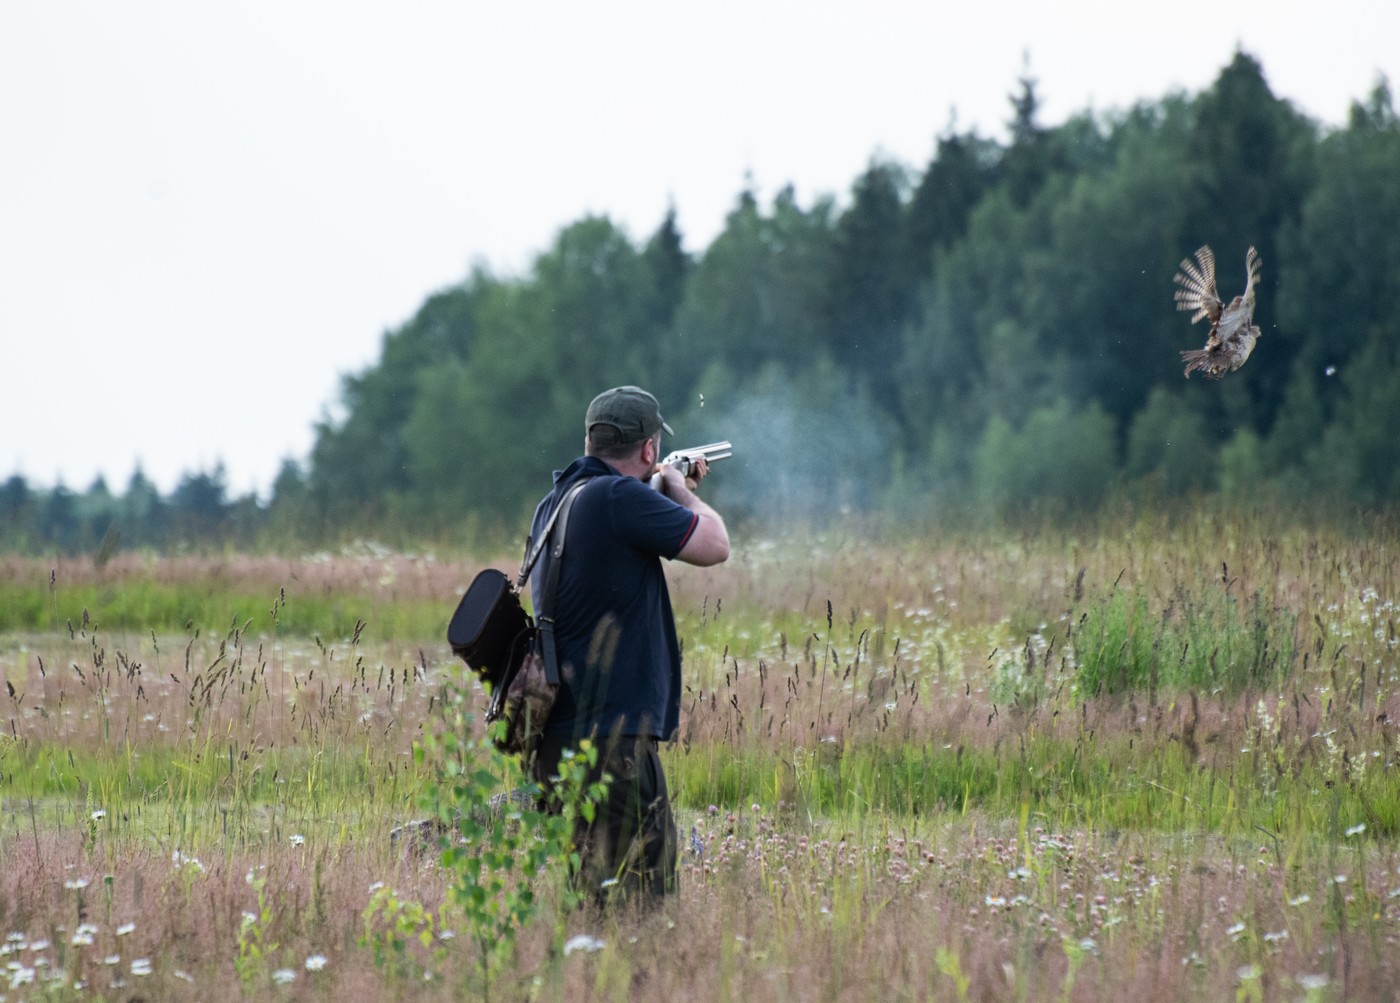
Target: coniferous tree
<point>961,172</point>
<point>17,504</point>
<point>871,288</point>
<point>668,267</point>
<point>1250,165</point>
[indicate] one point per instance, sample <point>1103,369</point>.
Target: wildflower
<point>112,959</point>
<point>298,839</point>
<point>182,860</point>
<point>583,942</point>
<point>141,966</point>
<point>1357,829</point>
<point>1313,982</point>
<point>99,815</point>
<point>76,884</point>
<point>82,937</point>
<point>1303,899</point>
<point>125,928</point>
<point>316,962</point>
<point>284,976</point>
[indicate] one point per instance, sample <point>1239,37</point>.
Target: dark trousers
<point>628,852</point>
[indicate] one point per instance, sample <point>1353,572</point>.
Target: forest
<point>993,331</point>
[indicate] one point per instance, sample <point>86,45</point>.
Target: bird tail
<point>1199,360</point>
<point>1197,283</point>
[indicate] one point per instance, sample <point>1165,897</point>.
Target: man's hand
<point>672,476</point>
<point>709,544</point>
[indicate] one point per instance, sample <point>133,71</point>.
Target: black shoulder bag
<point>512,654</point>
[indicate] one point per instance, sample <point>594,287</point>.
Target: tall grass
<point>1208,639</point>
<point>1154,759</point>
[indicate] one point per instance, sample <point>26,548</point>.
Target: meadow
<point>1147,757</point>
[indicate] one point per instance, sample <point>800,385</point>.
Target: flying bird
<point>1232,331</point>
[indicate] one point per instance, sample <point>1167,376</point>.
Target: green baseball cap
<point>634,413</point>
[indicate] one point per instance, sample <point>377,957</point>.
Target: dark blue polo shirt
<point>619,657</point>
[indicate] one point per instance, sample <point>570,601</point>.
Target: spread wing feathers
<point>1197,290</point>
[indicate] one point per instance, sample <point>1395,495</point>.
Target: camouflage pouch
<point>525,698</point>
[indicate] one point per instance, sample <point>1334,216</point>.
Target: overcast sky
<point>211,211</point>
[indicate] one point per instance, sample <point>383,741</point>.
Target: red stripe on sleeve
<point>694,521</point>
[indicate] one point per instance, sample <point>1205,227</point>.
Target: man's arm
<point>709,541</point>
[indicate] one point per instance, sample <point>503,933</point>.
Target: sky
<point>211,212</point>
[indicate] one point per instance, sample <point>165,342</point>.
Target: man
<point>619,657</point>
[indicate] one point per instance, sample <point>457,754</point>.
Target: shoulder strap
<point>544,616</point>
<point>533,549</point>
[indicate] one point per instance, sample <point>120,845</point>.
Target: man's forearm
<point>709,541</point>
<point>681,493</point>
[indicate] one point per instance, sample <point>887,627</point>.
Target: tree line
<point>993,331</point>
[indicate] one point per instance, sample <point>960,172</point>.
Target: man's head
<point>619,420</point>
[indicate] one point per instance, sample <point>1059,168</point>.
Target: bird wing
<point>1197,292</point>
<point>1251,266</point>
<point>1235,319</point>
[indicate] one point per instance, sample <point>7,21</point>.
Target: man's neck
<point>628,468</point>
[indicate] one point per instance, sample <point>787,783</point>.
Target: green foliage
<point>256,949</point>
<point>1080,779</point>
<point>393,926</point>
<point>1025,282</point>
<point>1095,285</point>
<point>863,781</point>
<point>873,283</point>
<point>1060,455</point>
<point>1360,452</point>
<point>949,966</point>
<point>1211,640</point>
<point>1167,442</point>
<point>1241,467</point>
<point>498,846</point>
<point>756,296</point>
<point>141,606</point>
<point>1116,643</point>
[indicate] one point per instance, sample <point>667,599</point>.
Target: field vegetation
<point>1144,757</point>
